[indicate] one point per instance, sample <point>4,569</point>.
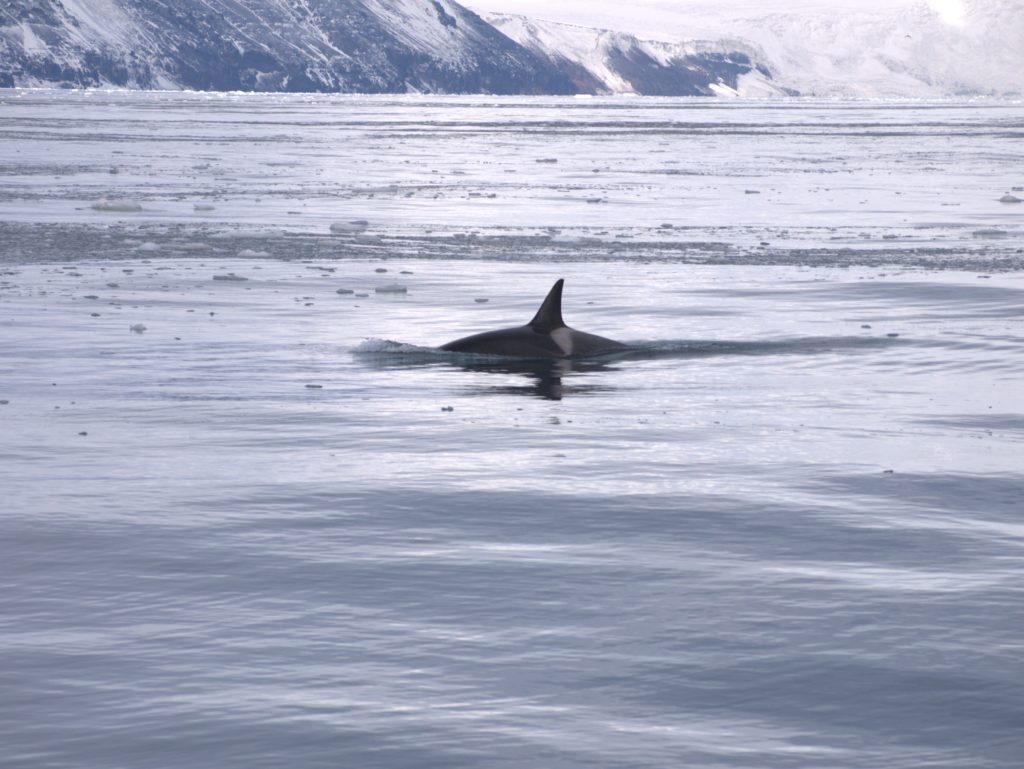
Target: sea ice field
<point>252,517</point>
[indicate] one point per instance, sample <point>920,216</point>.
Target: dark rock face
<point>682,76</point>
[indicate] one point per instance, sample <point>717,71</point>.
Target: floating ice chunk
<point>344,291</point>
<point>361,296</point>
<point>1008,198</point>
<point>195,246</point>
<point>117,206</point>
<point>249,253</point>
<point>547,160</point>
<point>381,269</point>
<point>149,245</point>
<point>314,387</point>
<point>137,328</point>
<point>391,288</point>
<point>481,300</point>
<point>203,207</point>
<point>229,276</point>
<point>354,226</point>
<point>989,233</point>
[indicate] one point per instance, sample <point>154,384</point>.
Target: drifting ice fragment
<point>229,276</point>
<point>202,207</point>
<point>344,291</point>
<point>481,300</point>
<point>249,253</point>
<point>137,328</point>
<point>149,245</point>
<point>1008,198</point>
<point>116,205</point>
<point>392,288</point>
<point>354,226</point>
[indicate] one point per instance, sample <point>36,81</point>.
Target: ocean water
<point>248,521</point>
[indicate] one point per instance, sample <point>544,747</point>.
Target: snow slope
<point>916,49</point>
<point>618,62</point>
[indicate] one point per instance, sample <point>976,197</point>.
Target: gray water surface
<point>784,530</point>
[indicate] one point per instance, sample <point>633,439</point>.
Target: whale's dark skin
<point>546,336</point>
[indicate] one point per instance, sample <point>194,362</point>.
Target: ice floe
<point>352,227</point>
<point>116,206</point>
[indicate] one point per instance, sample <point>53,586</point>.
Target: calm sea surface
<point>249,522</point>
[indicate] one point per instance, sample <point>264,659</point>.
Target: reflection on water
<point>555,378</point>
<point>547,378</point>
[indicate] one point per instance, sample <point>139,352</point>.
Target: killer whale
<point>546,336</point>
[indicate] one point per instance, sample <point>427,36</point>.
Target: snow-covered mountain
<point>368,46</point>
<point>919,50</point>
<point>273,45</point>
<point>895,48</point>
<point>605,61</point>
<point>915,48</point>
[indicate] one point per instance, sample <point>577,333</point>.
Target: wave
<point>645,349</point>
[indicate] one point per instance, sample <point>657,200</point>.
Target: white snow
<point>31,42</point>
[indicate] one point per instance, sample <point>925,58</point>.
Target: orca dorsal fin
<point>549,316</point>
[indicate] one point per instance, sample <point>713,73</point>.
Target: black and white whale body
<point>546,336</point>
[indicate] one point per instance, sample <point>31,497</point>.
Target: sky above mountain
<point>694,18</point>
